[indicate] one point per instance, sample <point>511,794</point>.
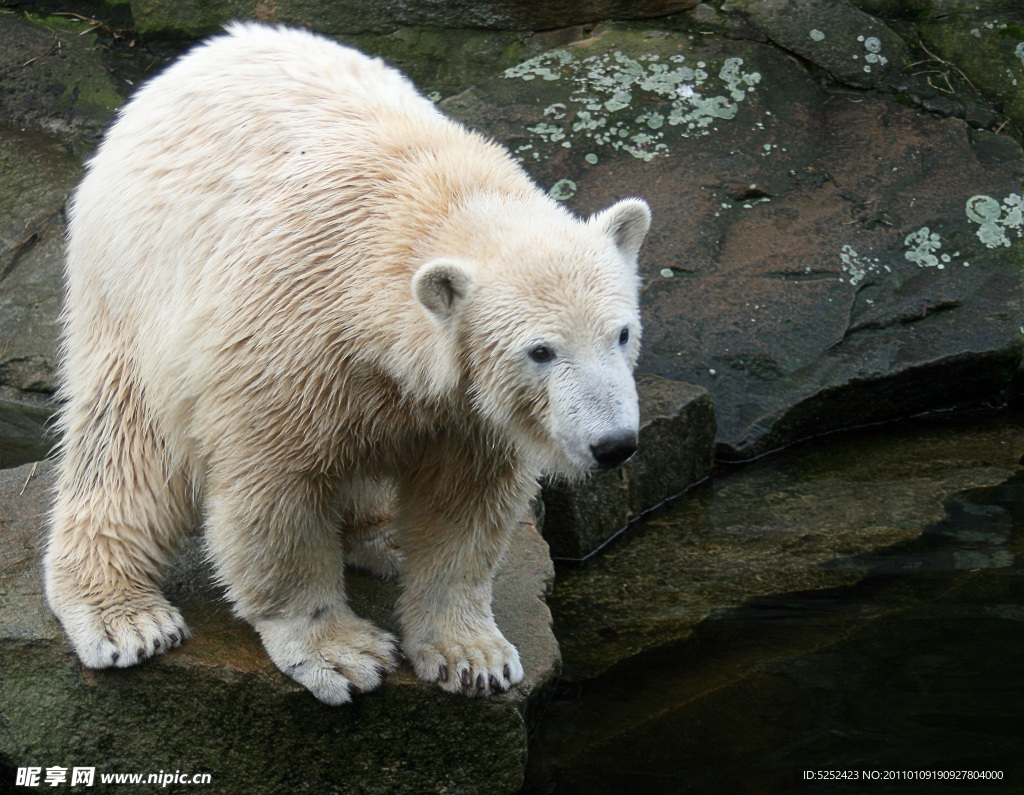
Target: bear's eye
<point>624,336</point>
<point>541,354</point>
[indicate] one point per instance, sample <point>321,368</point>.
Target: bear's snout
<point>613,451</point>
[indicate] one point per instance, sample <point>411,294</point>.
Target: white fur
<point>299,299</point>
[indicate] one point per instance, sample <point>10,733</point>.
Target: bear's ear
<point>442,286</point>
<point>626,222</point>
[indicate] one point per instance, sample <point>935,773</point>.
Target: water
<point>907,664</point>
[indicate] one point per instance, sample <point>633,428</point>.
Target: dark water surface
<point>909,670</point>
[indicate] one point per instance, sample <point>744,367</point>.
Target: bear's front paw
<point>119,628</point>
<point>475,666</point>
<point>332,657</point>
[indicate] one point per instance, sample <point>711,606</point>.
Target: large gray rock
<point>218,705</point>
<point>817,260</point>
<point>35,178</point>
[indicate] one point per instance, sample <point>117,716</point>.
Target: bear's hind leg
<point>275,540</point>
<point>118,516</point>
<point>368,535</point>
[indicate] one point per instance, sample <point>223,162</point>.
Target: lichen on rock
<point>609,106</point>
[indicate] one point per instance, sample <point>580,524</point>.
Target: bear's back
<point>268,167</point>
<point>231,141</point>
<point>272,193</point>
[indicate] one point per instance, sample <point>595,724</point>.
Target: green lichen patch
<point>629,102</point>
<point>563,189</point>
<point>924,249</point>
<point>856,267</point>
<point>997,220</point>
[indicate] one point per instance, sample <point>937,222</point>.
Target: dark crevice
<point>905,319</point>
<point>22,248</point>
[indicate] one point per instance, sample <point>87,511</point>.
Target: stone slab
<point>218,705</point>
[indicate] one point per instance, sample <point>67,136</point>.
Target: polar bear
<point>310,314</point>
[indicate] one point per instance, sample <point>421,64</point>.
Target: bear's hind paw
<point>353,658</point>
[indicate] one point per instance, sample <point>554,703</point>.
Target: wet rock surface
<point>218,705</point>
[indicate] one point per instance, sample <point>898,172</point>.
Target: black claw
<point>507,672</point>
<point>466,677</point>
<point>140,653</point>
<point>397,655</point>
<point>115,657</point>
<point>494,683</point>
<point>382,672</point>
<point>173,639</point>
<point>480,681</point>
<point>354,690</point>
<point>156,645</point>
<point>442,672</point>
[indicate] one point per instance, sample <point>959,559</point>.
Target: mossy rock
<point>193,18</point>
<point>53,77</point>
<point>989,51</point>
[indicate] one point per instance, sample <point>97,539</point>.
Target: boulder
<point>35,178</point>
<point>217,705</point>
<point>56,95</point>
<point>818,259</point>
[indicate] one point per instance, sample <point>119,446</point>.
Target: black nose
<point>613,451</point>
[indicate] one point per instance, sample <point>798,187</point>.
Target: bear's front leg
<point>454,520</point>
<point>276,544</point>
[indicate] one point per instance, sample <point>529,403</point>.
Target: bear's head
<point>538,312</point>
